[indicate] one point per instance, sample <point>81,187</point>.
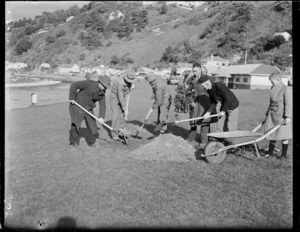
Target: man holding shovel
<point>199,107</point>
<point>219,92</point>
<point>120,88</point>
<point>86,93</point>
<point>162,98</point>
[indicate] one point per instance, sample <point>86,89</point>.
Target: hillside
<point>148,37</point>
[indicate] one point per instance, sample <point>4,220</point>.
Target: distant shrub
<point>23,46</point>
<point>50,39</point>
<point>60,33</point>
<point>82,57</point>
<point>68,61</point>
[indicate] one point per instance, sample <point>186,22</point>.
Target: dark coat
<point>202,102</point>
<point>221,93</point>
<point>161,93</point>
<point>86,93</point>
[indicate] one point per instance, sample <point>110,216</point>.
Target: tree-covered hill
<point>154,36</point>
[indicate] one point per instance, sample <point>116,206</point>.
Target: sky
<point>15,10</point>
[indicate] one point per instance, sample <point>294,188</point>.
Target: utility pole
<point>246,57</point>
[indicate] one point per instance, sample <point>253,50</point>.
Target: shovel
<point>162,124</point>
<point>103,123</point>
<point>141,129</point>
<point>127,106</point>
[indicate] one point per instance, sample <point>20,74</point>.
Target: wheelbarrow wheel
<point>212,147</point>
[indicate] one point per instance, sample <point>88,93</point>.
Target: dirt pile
<point>167,147</point>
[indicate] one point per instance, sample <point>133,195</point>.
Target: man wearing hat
<point>120,87</point>
<point>199,107</point>
<point>86,93</point>
<point>219,92</point>
<point>162,98</point>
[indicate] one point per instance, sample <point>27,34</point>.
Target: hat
<point>129,76</point>
<point>203,79</point>
<point>104,80</point>
<point>150,77</point>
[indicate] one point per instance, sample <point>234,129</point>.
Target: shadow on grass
<point>66,224</point>
<point>172,129</point>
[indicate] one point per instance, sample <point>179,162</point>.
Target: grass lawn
<point>53,185</point>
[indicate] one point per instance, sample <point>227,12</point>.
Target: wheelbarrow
<point>219,143</point>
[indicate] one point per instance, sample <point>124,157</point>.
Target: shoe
<point>92,145</point>
<point>282,157</point>
<point>72,144</point>
<point>125,131</point>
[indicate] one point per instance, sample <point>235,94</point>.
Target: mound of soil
<point>166,147</point>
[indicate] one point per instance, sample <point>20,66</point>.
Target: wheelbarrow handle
<point>258,126</point>
<point>192,119</point>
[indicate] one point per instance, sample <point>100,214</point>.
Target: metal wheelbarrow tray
<point>219,143</point>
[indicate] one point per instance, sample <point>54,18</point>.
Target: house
<point>246,76</point>
<point>149,3</point>
<point>45,65</point>
<point>186,3</point>
<point>215,61</point>
<point>15,66</point>
<point>68,68</point>
<point>69,18</point>
<point>285,35</point>
<point>41,31</point>
<point>115,14</point>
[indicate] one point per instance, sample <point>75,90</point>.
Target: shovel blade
<point>160,126</point>
<point>142,130</point>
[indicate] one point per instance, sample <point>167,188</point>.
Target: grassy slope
<point>104,187</point>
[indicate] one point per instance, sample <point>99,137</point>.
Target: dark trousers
<point>77,115</point>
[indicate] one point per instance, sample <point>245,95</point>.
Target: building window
<point>245,79</point>
<point>237,79</point>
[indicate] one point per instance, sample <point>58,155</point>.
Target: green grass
<point>104,187</point>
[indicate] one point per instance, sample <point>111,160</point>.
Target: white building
<point>247,76</point>
<point>115,14</point>
<point>68,68</point>
<point>16,66</point>
<point>285,35</point>
<point>69,18</point>
<point>45,65</point>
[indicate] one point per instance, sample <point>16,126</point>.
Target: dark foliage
<point>23,45</point>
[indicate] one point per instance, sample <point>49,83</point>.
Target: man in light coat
<point>120,88</point>
<point>279,111</point>
<point>86,93</point>
<point>162,98</point>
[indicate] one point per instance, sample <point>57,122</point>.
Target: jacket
<point>119,90</point>
<point>279,108</point>
<point>161,92</point>
<point>202,102</point>
<point>219,92</point>
<point>87,93</point>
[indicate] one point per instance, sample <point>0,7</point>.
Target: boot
<point>271,149</point>
<point>284,151</point>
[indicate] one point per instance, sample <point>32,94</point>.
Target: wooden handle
<point>103,123</point>
<point>191,119</point>
<point>127,106</point>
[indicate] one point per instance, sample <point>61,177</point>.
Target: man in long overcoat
<point>162,98</point>
<point>199,107</point>
<point>120,88</point>
<point>86,93</point>
<point>279,111</point>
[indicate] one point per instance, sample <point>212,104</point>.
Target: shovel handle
<point>127,106</point>
<point>192,119</point>
<point>103,123</point>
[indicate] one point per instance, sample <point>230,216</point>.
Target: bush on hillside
<point>50,39</point>
<point>61,33</point>
<point>23,46</point>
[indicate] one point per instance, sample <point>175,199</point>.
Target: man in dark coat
<point>199,107</point>
<point>87,93</point>
<point>219,92</point>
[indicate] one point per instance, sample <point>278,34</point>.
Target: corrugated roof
<point>245,69</point>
